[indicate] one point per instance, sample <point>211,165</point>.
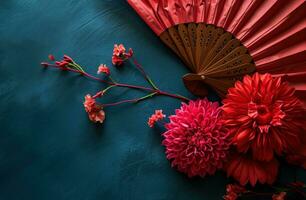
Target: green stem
<point>112,79</point>
<point>152,83</point>
<point>147,96</point>
<point>78,66</point>
<point>109,87</point>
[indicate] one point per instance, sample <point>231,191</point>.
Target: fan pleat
<point>294,35</point>
<point>145,11</point>
<point>293,44</point>
<point>262,13</point>
<point>233,10</point>
<point>281,20</point>
<point>242,15</point>
<point>275,61</point>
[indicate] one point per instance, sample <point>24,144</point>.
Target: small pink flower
<point>157,116</point>
<point>233,191</point>
<point>235,188</point>
<point>279,196</point>
<point>97,116</point>
<point>95,112</point>
<point>68,59</point>
<point>119,50</point>
<point>130,53</point>
<point>103,69</point>
<point>61,63</point>
<point>120,54</point>
<point>89,103</point>
<point>230,196</point>
<point>51,57</point>
<point>117,61</point>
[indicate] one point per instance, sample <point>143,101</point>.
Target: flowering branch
<point>119,57</point>
<point>233,191</point>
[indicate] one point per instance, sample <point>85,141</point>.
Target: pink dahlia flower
<point>94,111</point>
<point>196,141</point>
<point>263,116</point>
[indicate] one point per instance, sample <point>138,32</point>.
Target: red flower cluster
<point>120,54</point>
<point>157,116</point>
<point>62,64</point>
<point>233,191</point>
<point>94,110</point>
<point>264,118</point>
<point>279,196</point>
<point>196,141</point>
<point>103,69</point>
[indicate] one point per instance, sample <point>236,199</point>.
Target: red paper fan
<point>221,40</point>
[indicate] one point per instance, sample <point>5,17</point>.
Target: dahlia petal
<point>252,174</point>
<point>247,170</point>
<point>242,140</point>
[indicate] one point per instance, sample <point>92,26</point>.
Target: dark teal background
<point>48,148</point>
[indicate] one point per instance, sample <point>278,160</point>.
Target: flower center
<point>265,116</point>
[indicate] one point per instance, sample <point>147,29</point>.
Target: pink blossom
<point>117,61</point>
<point>95,112</point>
<point>51,57</point>
<point>119,50</point>
<point>279,196</point>
<point>103,69</point>
<point>120,54</point>
<point>157,116</point>
<point>233,191</point>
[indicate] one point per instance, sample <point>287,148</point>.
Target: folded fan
<point>222,40</point>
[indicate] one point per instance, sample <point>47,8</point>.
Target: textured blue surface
<point>48,148</point>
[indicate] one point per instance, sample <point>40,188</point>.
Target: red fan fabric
<point>274,31</point>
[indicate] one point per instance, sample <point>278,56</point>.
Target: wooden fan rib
<point>233,55</point>
<point>212,37</point>
<point>166,38</point>
<point>220,44</point>
<point>192,32</point>
<point>242,59</point>
<point>173,32</point>
<point>183,32</point>
<point>229,47</point>
<point>233,71</point>
<point>201,32</point>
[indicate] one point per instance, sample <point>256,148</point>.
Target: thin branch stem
<point>146,76</point>
<point>157,91</point>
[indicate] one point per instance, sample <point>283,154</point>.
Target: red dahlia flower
<point>263,116</point>
<point>196,141</point>
<point>245,169</point>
